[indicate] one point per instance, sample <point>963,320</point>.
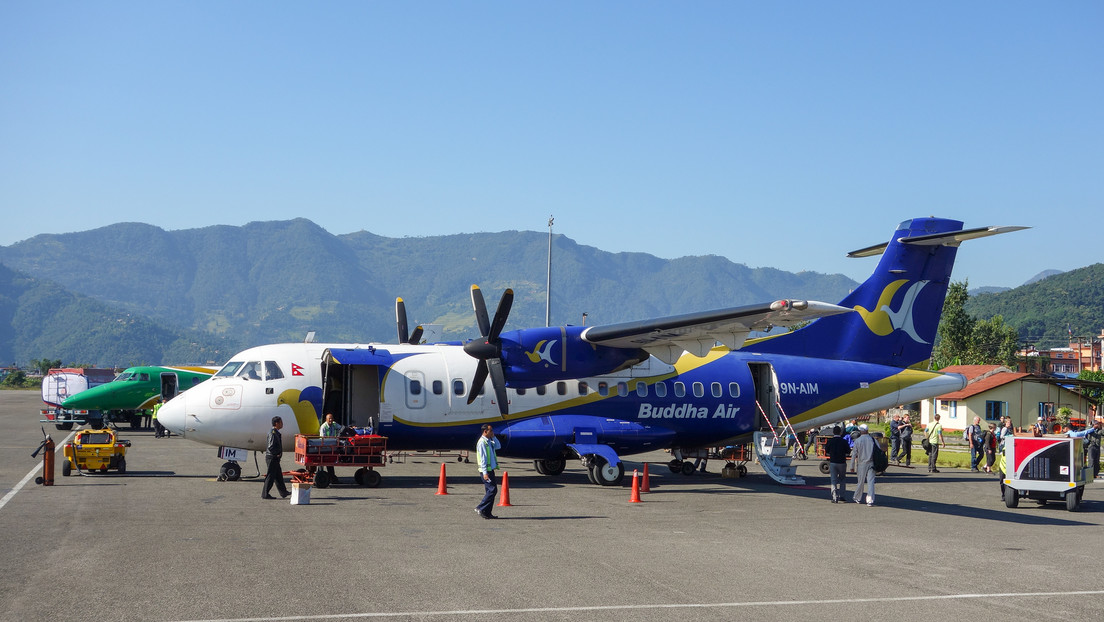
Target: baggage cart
<point>365,452</point>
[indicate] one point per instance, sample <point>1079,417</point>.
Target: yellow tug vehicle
<point>95,450</point>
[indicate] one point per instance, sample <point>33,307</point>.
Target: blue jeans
<point>490,488</point>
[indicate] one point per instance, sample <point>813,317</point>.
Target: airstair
<point>770,446</point>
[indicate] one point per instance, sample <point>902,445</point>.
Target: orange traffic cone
<point>504,498</point>
<point>644,487</point>
<point>442,488</point>
<point>635,498</point>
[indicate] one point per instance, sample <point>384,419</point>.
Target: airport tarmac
<point>168,542</point>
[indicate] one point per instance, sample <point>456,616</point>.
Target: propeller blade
<point>477,382</point>
<point>416,336</point>
<point>480,311</point>
<point>400,320</point>
<point>501,314</point>
<point>498,381</point>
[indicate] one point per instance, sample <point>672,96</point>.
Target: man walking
<point>862,464</point>
<point>934,433</point>
<point>905,429</point>
<point>273,453</point>
<point>488,462</point>
<point>975,440</point>
<point>895,439</point>
<point>836,448</point>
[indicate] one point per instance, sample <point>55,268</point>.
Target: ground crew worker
<point>330,428</point>
<point>158,429</point>
<point>488,462</point>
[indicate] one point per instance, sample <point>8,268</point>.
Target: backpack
<point>881,460</point>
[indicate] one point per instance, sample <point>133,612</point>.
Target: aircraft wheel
<point>66,468</point>
<point>687,468</point>
<point>1011,497</point>
<point>1072,501</point>
<point>372,478</point>
<point>552,466</point>
<point>230,471</point>
<point>742,470</point>
<point>675,466</point>
<point>322,479</point>
<point>606,474</point>
<point>824,467</point>
<point>122,466</point>
<point>539,466</point>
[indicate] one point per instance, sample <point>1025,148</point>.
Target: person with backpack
<point>837,449</point>
<point>974,439</point>
<point>862,464</point>
<point>989,442</point>
<point>934,437</point>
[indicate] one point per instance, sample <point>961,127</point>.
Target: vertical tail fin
<point>898,307</point>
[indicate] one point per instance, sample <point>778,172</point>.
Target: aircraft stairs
<point>774,457</point>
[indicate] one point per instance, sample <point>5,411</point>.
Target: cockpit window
<point>126,375</point>
<point>144,377</point>
<point>229,369</point>
<point>273,371</point>
<point>251,370</point>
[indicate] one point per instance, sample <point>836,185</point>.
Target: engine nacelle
<point>535,356</point>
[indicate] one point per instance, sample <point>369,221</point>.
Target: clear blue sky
<point>776,134</point>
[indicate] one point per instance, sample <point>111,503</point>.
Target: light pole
<point>548,286</point>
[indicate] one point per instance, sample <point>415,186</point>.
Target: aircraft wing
<point>667,338</point>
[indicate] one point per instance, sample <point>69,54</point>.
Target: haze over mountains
<point>132,293</point>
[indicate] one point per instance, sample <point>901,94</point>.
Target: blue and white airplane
<point>600,392</point>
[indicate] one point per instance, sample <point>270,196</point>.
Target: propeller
<point>489,349</point>
<point>400,322</point>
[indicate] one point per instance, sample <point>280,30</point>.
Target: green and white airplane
<point>132,391</point>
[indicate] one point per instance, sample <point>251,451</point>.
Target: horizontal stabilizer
<point>953,238</point>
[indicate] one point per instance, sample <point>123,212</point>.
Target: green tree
<point>955,328</point>
<point>43,366</point>
<point>1094,394</point>
<point>993,343</point>
<point>15,379</point>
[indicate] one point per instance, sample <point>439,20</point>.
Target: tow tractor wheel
<point>742,470</point>
<point>675,465</point>
<point>230,471</point>
<point>64,426</point>
<point>824,467</point>
<point>372,478</point>
<point>552,466</point>
<point>604,473</point>
<point>687,467</point>
<point>321,479</point>
<point>1011,497</point>
<point>66,468</point>
<point>1072,501</point>
<point>122,465</point>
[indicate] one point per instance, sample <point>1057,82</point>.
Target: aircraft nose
<point>172,413</point>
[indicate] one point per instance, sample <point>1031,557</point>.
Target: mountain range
<point>133,293</point>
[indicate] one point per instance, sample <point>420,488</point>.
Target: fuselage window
<point>641,389</point>
<point>622,389</point>
<point>661,389</point>
<point>699,389</point>
<point>733,389</point>
<point>680,389</point>
<point>603,389</point>
<point>144,377</point>
<point>415,387</point>
<point>542,389</point>
<point>273,371</point>
<point>583,388</point>
<point>715,389</point>
<point>561,388</point>
<point>457,387</point>
<point>438,387</point>
<point>229,369</point>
